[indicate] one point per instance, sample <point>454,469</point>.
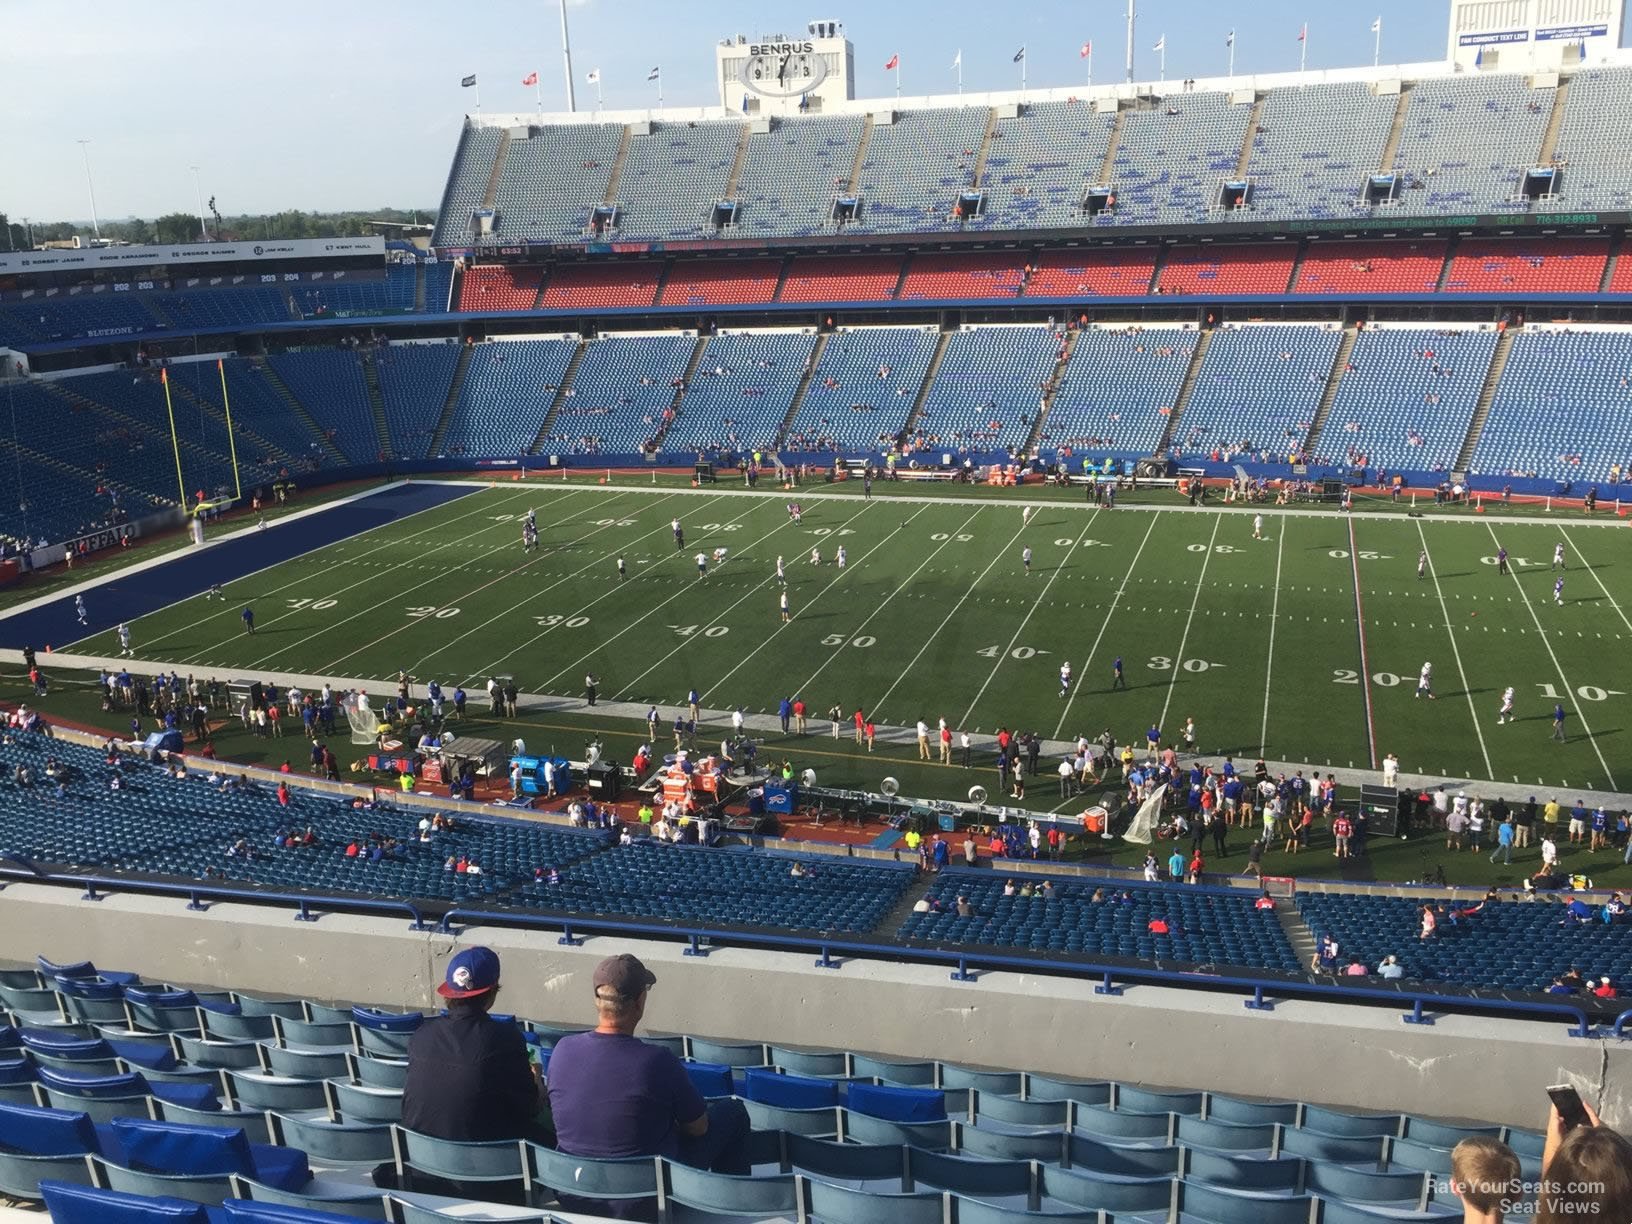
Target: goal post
<point>1280,886</point>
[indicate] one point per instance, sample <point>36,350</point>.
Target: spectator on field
<point>614,1096</point>
<point>1485,1177</point>
<point>469,1076</point>
<point>1586,1172</point>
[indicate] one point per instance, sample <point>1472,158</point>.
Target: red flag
<point>895,61</point>
<point>1303,33</point>
<point>530,79</point>
<point>1087,50</point>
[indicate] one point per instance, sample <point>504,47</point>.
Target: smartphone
<point>1567,1101</point>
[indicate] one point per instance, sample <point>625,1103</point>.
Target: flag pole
<point>1022,70</point>
<point>566,59</point>
<point>1232,55</point>
<point>1130,41</point>
<point>898,76</point>
<point>1090,64</point>
<point>232,442</point>
<point>1161,47</point>
<point>597,90</point>
<point>660,89</point>
<point>478,99</point>
<point>958,64</point>
<point>1377,42</point>
<point>1303,48</point>
<point>175,442</point>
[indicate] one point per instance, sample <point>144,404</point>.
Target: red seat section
<point>997,275</point>
<point>1620,281</point>
<point>1228,270</point>
<point>492,287</point>
<point>1371,267</point>
<point>706,283</point>
<point>1523,265</point>
<point>599,286</point>
<point>840,278</point>
<point>1112,273</point>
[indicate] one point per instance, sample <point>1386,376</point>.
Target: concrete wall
<point>1360,1057</point>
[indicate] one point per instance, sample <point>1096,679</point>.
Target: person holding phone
<point>1586,1166</point>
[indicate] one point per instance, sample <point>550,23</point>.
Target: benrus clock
<point>783,70</point>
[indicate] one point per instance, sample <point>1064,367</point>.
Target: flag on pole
<point>893,62</point>
<point>1377,26</point>
<point>957,60</point>
<point>530,79</point>
<point>1087,50</point>
<point>1479,58</point>
<point>593,76</point>
<point>654,74</point>
<point>1229,40</point>
<point>1161,44</point>
<point>1303,32</point>
<point>1020,55</point>
<point>467,82</point>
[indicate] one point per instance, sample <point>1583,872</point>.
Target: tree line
<point>184,227</point>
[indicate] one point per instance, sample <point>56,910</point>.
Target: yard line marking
<point>771,637</point>
<point>1274,615</point>
<point>357,560</point>
<point>851,633</point>
<point>599,560</point>
<point>997,556</point>
<point>1365,666</point>
<point>1030,612</point>
<point>466,593</point>
<point>1542,634</point>
<point>684,589</point>
<point>1103,625</point>
<point>1184,638</point>
<point>1593,570</point>
<point>1450,629</point>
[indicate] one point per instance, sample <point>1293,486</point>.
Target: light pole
<point>90,187</point>
<point>198,193</point>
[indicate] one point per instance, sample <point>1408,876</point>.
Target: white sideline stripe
<point>1184,638</point>
<point>1456,651</point>
<point>1593,570</point>
<point>1104,625</point>
<point>138,567</point>
<point>1274,615</point>
<point>1026,620</point>
<point>317,576</point>
<point>1542,633</point>
<point>713,620</point>
<point>878,705</point>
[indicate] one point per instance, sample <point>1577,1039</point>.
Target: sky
<point>310,106</point>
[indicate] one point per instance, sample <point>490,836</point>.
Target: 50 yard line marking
<point>1274,615</point>
<point>1105,624</point>
<point>1184,638</point>
<point>1365,666</point>
<point>1542,633</point>
<point>1030,612</point>
<point>1450,629</point>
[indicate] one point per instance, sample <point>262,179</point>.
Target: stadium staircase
<point>680,391</point>
<point>900,281</point>
<point>1328,396</point>
<point>290,306</point>
<point>1191,376</point>
<point>1251,135</point>
<point>978,177</point>
<point>1616,244</point>
<point>854,183</point>
<point>543,438</point>
<point>1555,122</point>
<point>1450,262</point>
<point>939,355</point>
<point>1047,406</point>
<point>376,404</point>
<point>1487,396</point>
<point>184,392</point>
<point>662,280</point>
<point>419,287</point>
<point>735,176</point>
<point>1111,147</point>
<point>801,390</point>
<point>615,179</point>
<point>491,192</point>
<point>782,277</point>
<point>1297,932</point>
<point>1396,133</point>
<point>1297,266</point>
<point>451,402</point>
<point>302,413</point>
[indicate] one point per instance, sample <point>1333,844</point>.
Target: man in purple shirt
<point>612,1095</point>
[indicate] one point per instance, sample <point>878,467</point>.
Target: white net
<point>1144,822</point>
<point>364,723</point>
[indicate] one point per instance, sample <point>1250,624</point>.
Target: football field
<point>1301,646</point>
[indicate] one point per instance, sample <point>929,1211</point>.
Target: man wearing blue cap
<point>469,1077</point>
<point>612,1095</point>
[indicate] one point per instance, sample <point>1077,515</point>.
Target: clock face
<point>784,74</point>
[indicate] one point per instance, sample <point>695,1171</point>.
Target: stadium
<point>1069,637</point>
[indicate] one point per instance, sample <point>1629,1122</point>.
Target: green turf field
<point>1302,646</point>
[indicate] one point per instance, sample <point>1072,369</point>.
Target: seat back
<point>841,1205</point>
<point>1226,1136</point>
<point>846,1161</point>
<point>251,1091</point>
<point>1143,1100</point>
<point>1113,1194</point>
<point>351,1104</point>
<point>331,1143</point>
<point>225,1026</point>
<point>897,1104</point>
<point>1047,1146</point>
<point>1220,1206</point>
<point>302,1208</point>
<point>1244,1172</point>
<point>302,1064</point>
<point>1336,1122</point>
<point>819,1123</point>
<point>789,1091</point>
<point>753,1196</point>
<point>1335,1181</point>
<point>976,1178</point>
<point>378,1072</point>
<point>634,1177</point>
<point>1043,1088</point>
<point>454,1161</point>
<point>183,1150</point>
<point>205,1188</point>
<point>863,1128</point>
<point>810,1062</point>
<point>1115,1124</point>
<point>908,1074</point>
<point>1006,1083</point>
<point>21,1176</point>
<point>995,1107</point>
<point>68,1203</point>
<point>1083,1152</point>
<point>1221,1108</point>
<point>30,1131</point>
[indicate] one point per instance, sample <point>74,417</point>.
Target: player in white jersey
<point>702,565</point>
<point>842,556</point>
<point>1025,515</point>
<point>124,640</point>
<point>1257,526</point>
<point>79,609</point>
<point>781,573</point>
<point>1558,556</point>
<point>1025,558</point>
<point>1558,592</point>
<point>719,556</point>
<point>1065,677</point>
<point>1422,564</point>
<point>1425,681</point>
<point>815,556</point>
<point>215,592</point>
<point>782,603</point>
<point>1505,715</point>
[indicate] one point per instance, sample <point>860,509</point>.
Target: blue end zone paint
<point>127,597</point>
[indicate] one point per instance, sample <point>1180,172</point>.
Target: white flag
<point>593,75</point>
<point>1161,44</point>
<point>1377,26</point>
<point>654,74</point>
<point>957,60</point>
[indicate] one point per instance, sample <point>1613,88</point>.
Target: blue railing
<point>833,952</point>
